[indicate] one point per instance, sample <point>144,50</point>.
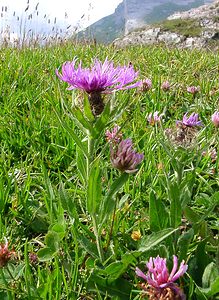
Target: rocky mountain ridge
<point>131,14</point>
<point>195,28</point>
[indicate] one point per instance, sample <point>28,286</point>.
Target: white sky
<point>65,11</point>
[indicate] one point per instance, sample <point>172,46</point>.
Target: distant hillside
<point>131,14</point>
<point>195,28</point>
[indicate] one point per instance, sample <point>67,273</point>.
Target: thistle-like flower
<point>5,254</point>
<point>160,282</point>
<point>124,158</point>
<point>215,118</point>
<point>165,86</point>
<point>100,78</point>
<point>193,89</point>
<point>191,121</point>
<point>154,118</point>
<point>146,85</point>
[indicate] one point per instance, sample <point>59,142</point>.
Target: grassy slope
<point>34,147</point>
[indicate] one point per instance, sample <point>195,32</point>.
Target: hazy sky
<point>68,12</point>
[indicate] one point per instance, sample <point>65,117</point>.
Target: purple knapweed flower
<point>193,89</point>
<point>100,78</point>
<point>154,118</point>
<point>215,118</point>
<point>114,136</point>
<point>124,158</point>
<point>191,121</point>
<point>160,280</point>
<point>165,86</point>
<point>146,85</point>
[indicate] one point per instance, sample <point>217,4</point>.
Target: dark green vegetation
<point>185,27</point>
<point>172,200</point>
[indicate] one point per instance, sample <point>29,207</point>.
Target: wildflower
<point>5,254</point>
<point>146,85</point>
<point>124,158</point>
<point>154,118</point>
<point>215,118</point>
<point>160,282</point>
<point>190,121</point>
<point>33,258</point>
<point>212,153</point>
<point>99,79</point>
<point>193,89</point>
<point>165,86</point>
<point>114,136</point>
<point>136,235</point>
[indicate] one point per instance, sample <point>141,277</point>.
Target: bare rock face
<point>195,28</point>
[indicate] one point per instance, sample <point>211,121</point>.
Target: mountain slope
<point>198,27</point>
<point>131,14</point>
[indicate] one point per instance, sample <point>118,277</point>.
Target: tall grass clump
<point>108,173</point>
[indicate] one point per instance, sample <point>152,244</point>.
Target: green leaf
<point>211,273</point>
<point>155,239</point>
<point>67,202</point>
<point>59,229</point>
<point>45,254</point>
<point>52,240</point>
<point>115,269</point>
<point>157,213</point>
<point>102,120</point>
<point>94,190</point>
<point>87,110</point>
<point>184,243</point>
<point>88,246</point>
<point>73,135</point>
<point>81,165</point>
<point>120,287</point>
<point>109,201</point>
<point>82,122</point>
<point>175,205</point>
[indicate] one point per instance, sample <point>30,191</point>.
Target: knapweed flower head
<point>146,85</point>
<point>5,254</point>
<point>100,78</point>
<point>165,86</point>
<point>191,121</point>
<point>114,136</point>
<point>160,281</point>
<point>193,89</point>
<point>215,118</point>
<point>124,158</point>
<point>154,118</point>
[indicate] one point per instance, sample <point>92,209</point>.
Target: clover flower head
<point>124,158</point>
<point>146,85</point>
<point>159,278</point>
<point>193,89</point>
<point>215,118</point>
<point>114,136</point>
<point>154,118</point>
<point>5,254</point>
<point>165,86</point>
<point>191,121</point>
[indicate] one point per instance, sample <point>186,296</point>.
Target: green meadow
<point>77,227</point>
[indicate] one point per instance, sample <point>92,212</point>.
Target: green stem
<point>90,150</point>
<point>98,241</point>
